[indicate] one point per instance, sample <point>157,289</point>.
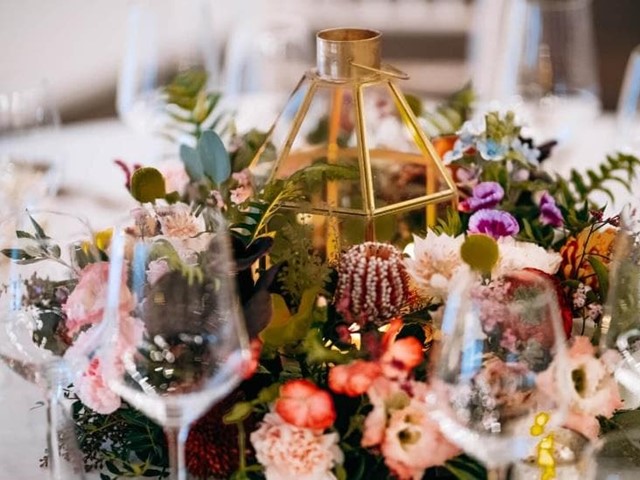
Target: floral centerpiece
<point>339,380</point>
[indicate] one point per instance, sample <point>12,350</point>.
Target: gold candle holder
<point>348,111</point>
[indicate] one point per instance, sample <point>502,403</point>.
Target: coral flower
<point>355,378</point>
<point>303,404</point>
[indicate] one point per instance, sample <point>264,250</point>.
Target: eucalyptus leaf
<point>192,163</point>
<point>214,157</point>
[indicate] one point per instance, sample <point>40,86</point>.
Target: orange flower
<point>304,405</point>
<point>577,250</point>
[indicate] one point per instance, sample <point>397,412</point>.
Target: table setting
<point>345,282</point>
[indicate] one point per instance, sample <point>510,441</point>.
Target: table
<point>93,186</point>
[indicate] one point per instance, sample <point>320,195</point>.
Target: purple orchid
<point>494,223</point>
<point>550,214</point>
<point>484,195</point>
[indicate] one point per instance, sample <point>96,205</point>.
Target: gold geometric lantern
<point>349,112</point>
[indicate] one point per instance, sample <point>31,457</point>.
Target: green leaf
<point>269,394</point>
<point>238,413</point>
<point>192,164</point>
<point>603,275</point>
<point>23,234</point>
<point>147,185</point>
<point>466,468</point>
<point>39,230</point>
<point>286,328</point>
<point>214,157</point>
<point>17,254</point>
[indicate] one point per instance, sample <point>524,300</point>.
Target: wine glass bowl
<point>186,344</point>
<point>502,345</point>
<point>42,256</point>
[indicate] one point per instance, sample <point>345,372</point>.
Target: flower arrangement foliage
<point>338,384</point>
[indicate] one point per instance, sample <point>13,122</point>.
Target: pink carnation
<point>494,223</point>
<point>85,306</point>
<point>289,452</point>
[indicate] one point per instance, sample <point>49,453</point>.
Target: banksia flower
<point>373,284</point>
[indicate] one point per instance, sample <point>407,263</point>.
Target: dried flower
<point>373,284</point>
<point>484,195</point>
<point>303,404</point>
<point>550,214</point>
<point>289,452</point>
<point>494,223</point>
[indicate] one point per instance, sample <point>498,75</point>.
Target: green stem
<point>242,446</point>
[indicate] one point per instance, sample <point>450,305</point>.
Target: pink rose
<point>303,404</point>
<point>90,382</point>
<point>86,304</point>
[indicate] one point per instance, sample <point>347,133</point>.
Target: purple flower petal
<point>550,214</point>
<point>494,223</point>
<point>484,195</point>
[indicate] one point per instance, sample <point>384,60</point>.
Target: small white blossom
<point>580,295</point>
<point>530,154</point>
<point>594,310</point>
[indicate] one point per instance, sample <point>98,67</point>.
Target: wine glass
<point>164,38</point>
<point>628,113</point>
<point>557,79</point>
<point>620,326</point>
<point>29,170</point>
<point>615,456</point>
<point>178,342</point>
<point>502,343</point>
<point>42,255</point>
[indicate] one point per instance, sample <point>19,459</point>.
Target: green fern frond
<point>619,169</point>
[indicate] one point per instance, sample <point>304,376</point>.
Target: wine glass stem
<point>500,473</point>
<point>176,440</point>
<point>53,444</point>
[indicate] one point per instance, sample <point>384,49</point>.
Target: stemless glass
<point>502,346</point>
<point>39,269</point>
<point>557,76</point>
<point>185,339</point>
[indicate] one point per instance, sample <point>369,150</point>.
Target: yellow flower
<point>577,250</point>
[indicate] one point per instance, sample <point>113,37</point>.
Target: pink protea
<point>373,284</point>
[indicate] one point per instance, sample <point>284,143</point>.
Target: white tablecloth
<point>93,186</point>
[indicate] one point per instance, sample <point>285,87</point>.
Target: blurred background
<point>83,49</point>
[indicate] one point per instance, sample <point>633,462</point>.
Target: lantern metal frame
<point>349,59</point>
